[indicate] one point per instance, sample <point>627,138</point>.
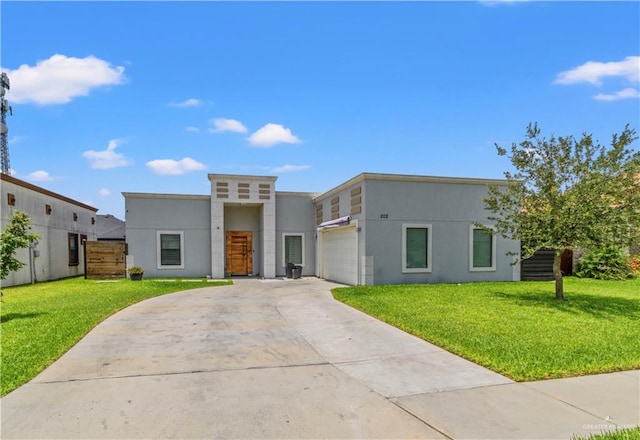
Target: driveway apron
<point>281,359</point>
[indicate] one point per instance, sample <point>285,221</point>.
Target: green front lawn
<point>40,322</point>
<point>620,434</point>
<point>517,329</point>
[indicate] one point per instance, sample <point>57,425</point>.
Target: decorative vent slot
<point>222,189</point>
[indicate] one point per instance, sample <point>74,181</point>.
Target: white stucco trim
<point>491,268</point>
<point>135,195</point>
<point>158,256</point>
<point>429,228</point>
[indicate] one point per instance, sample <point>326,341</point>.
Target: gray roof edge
<point>298,194</point>
<point>408,178</point>
<point>211,176</point>
<point>137,195</point>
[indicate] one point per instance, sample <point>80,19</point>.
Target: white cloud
<point>108,158</point>
<point>191,102</point>
<point>172,167</point>
<point>290,168</point>
<point>59,79</point>
<point>222,124</point>
<point>272,134</point>
<point>192,129</point>
<point>16,139</point>
<point>104,192</point>
<point>594,72</point>
<point>627,93</point>
<point>40,176</point>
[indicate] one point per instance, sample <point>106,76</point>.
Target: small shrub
<point>608,263</point>
<point>133,270</point>
<point>634,261</point>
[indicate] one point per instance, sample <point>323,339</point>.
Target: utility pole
<point>4,108</point>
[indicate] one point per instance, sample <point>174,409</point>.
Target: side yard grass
<point>40,322</point>
<point>517,329</point>
<point>620,434</point>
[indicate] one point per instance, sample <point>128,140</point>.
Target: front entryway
<point>239,253</point>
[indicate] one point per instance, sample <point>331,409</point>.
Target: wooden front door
<point>239,253</point>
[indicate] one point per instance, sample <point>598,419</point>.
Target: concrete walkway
<point>282,359</point>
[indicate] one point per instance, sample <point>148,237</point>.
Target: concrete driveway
<point>282,359</point>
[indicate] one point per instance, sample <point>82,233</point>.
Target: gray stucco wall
<point>146,214</point>
<point>52,249</point>
<point>450,208</point>
<point>295,213</point>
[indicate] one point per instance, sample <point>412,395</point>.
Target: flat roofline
<point>240,177</point>
<point>407,178</point>
<point>138,195</point>
<point>298,194</point>
<point>45,192</point>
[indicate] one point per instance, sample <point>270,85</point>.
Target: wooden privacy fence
<point>104,260</point>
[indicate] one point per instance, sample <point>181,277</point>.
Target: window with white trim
<point>170,249</point>
<point>293,249</point>
<point>482,250</point>
<point>416,247</point>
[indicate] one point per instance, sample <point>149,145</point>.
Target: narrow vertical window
<point>482,252</point>
<point>293,249</point>
<point>416,248</point>
<point>74,251</point>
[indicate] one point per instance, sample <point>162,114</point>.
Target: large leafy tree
<point>568,193</point>
<point>15,236</point>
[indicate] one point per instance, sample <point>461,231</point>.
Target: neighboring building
<point>372,229</point>
<point>110,228</point>
<point>63,223</point>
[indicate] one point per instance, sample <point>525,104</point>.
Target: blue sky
<point>151,96</point>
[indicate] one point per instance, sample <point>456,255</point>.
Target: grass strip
<point>620,434</point>
<point>517,329</point>
<point>40,322</point>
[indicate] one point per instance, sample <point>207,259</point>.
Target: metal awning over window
<point>342,221</point>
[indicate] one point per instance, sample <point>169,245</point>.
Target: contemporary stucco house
<point>372,229</point>
<point>63,223</point>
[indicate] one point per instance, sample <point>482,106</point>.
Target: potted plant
<point>135,273</point>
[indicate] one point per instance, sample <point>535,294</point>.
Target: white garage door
<point>339,259</point>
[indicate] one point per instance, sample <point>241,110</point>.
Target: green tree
<point>15,236</point>
<point>568,193</point>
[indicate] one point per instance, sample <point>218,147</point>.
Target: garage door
<point>339,255</point>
